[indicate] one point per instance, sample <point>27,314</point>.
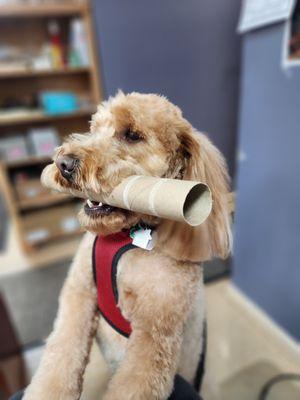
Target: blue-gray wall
<point>267,237</point>
<point>186,50</point>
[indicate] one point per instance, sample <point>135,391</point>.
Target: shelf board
<point>28,73</point>
<point>54,237</point>
<point>43,201</point>
<point>55,251</point>
<point>39,116</point>
<point>42,10</point>
<point>32,160</point>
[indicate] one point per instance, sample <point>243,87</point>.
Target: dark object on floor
<point>12,369</point>
<point>182,391</point>
<point>249,383</point>
<point>274,381</point>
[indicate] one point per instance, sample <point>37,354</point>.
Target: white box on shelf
<point>43,140</point>
<point>13,148</point>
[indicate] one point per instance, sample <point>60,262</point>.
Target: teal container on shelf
<point>56,102</point>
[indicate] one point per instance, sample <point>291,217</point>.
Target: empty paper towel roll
<point>172,199</point>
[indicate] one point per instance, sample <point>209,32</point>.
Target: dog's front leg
<point>155,294</point>
<point>148,370</point>
<point>59,375</point>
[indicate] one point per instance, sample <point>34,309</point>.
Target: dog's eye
<point>132,137</point>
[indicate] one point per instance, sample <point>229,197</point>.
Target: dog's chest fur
<point>113,345</point>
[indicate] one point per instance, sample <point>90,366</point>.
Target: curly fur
<point>160,291</point>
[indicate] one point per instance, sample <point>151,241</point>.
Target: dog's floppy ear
<point>204,163</point>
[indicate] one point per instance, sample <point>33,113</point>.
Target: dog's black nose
<point>67,165</point>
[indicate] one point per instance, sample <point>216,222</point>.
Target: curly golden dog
<point>160,291</point>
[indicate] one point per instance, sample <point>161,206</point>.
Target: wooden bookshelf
<point>29,72</point>
<point>42,201</point>
<point>50,9</point>
<point>40,116</point>
<point>24,25</point>
<point>29,161</point>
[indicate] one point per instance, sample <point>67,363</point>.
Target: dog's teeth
<point>100,204</point>
<point>89,203</point>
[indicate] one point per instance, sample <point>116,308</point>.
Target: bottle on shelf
<point>78,54</point>
<point>56,44</point>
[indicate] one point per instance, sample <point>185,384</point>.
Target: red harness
<point>107,252</point>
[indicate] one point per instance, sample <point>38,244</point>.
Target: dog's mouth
<point>97,209</point>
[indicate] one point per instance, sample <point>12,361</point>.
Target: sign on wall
<point>258,13</point>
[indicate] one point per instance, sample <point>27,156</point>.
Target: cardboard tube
<point>173,199</point>
<point>179,200</point>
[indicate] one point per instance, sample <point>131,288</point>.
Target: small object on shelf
<point>43,61</point>
<point>69,224</point>
<point>18,107</point>
<point>37,235</point>
<point>56,44</point>
<point>28,188</point>
<point>84,103</point>
<point>25,101</point>
<point>13,148</point>
<point>58,221</point>
<point>43,140</point>
<point>55,102</point>
<point>13,58</point>
<point>31,195</point>
<point>78,53</point>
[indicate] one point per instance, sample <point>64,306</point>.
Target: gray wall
<point>187,50</point>
<point>267,240</point>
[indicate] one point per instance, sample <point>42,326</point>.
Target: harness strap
<point>107,251</point>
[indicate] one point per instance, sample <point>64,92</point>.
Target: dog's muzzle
<point>67,165</point>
